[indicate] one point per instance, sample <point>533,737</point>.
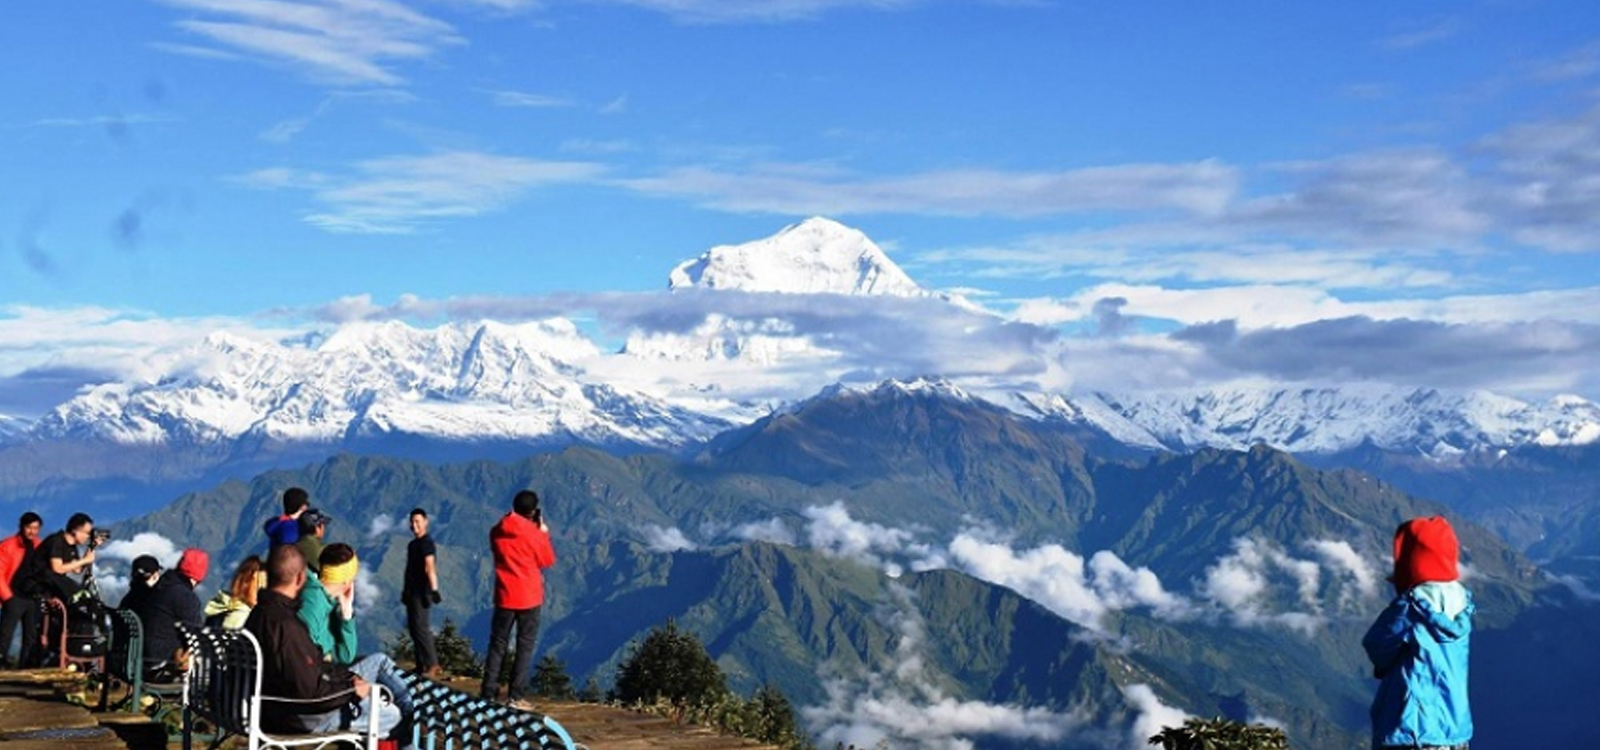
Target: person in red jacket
<point>521,546</point>
<point>16,606</point>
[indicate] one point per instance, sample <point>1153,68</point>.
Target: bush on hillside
<point>1220,734</point>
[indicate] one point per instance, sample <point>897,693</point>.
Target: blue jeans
<point>527,625</point>
<point>349,717</point>
<point>379,669</point>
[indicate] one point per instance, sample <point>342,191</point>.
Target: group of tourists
<point>298,600</point>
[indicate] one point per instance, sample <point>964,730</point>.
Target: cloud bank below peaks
<point>1257,584</point>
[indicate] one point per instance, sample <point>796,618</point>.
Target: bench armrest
<point>379,694</point>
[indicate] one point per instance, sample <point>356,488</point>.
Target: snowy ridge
<point>487,381</point>
<point>1327,420</point>
<point>925,386</point>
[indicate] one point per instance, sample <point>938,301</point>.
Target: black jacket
<point>172,600</point>
<point>291,666</point>
<point>41,580</point>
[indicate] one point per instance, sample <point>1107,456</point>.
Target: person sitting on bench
<point>293,667</point>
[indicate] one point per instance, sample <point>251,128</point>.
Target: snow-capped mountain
<point>479,382</point>
<point>1326,420</point>
<point>816,256</point>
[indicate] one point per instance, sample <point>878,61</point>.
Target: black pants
<point>23,610</point>
<point>421,634</point>
<point>527,624</point>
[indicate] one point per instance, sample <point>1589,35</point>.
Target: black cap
<point>145,566</point>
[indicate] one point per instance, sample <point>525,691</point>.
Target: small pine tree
<point>1220,734</point>
<point>550,679</point>
<point>455,652</point>
<point>673,665</point>
<point>774,718</point>
<point>591,692</point>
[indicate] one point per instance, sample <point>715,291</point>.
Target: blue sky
<point>175,166</point>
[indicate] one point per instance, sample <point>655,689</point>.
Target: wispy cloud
<point>503,98</point>
<point>757,11</point>
<point>101,121</point>
<point>1422,34</point>
<point>797,189</point>
<point>286,130</point>
<point>398,194</point>
<point>1579,63</point>
<point>342,42</point>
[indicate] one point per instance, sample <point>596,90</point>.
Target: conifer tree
<point>670,664</point>
<point>550,679</point>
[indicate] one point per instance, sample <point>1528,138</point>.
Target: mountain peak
<point>815,256</point>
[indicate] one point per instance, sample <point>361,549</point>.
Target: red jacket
<point>521,549</point>
<point>12,552</point>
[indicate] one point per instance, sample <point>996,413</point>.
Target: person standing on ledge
<point>1419,644</point>
<point>17,607</point>
<point>521,546</point>
<point>420,592</point>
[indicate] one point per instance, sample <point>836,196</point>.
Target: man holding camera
<point>57,558</point>
<point>521,546</point>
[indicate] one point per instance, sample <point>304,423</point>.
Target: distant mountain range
<point>237,406</point>
<point>920,549</point>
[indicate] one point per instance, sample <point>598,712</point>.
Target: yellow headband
<point>341,573</point>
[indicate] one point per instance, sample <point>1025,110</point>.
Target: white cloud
<point>660,539</point>
<point>834,532</point>
<point>332,41</point>
<point>1151,715</point>
<point>368,593</point>
<point>114,558</point>
<point>1061,580</point>
<point>772,530</point>
<point>397,194</point>
<point>1255,583</point>
<point>899,704</point>
<point>381,524</point>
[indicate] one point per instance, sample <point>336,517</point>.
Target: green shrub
<point>1220,734</point>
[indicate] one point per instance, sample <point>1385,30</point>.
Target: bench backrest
<point>448,718</point>
<point>125,657</point>
<point>224,677</point>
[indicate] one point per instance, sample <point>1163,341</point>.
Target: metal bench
<point>125,663</point>
<point>223,687</point>
<point>449,719</point>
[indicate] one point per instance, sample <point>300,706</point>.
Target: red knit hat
<point>194,564</point>
<point>1425,549</point>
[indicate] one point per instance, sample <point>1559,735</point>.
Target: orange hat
<point>1425,549</point>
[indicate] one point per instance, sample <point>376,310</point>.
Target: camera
<point>99,537</point>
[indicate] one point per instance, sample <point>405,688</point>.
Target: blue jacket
<point>1418,648</point>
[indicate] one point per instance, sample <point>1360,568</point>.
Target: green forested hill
<point>929,468</point>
